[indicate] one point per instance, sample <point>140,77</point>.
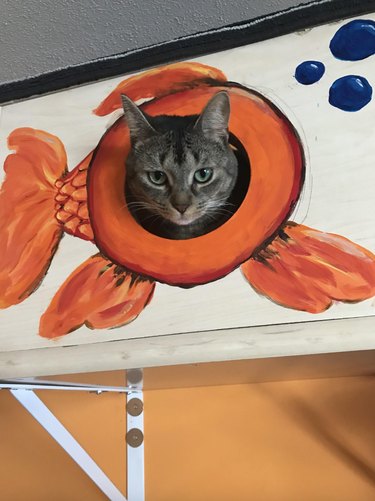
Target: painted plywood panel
<point>337,196</point>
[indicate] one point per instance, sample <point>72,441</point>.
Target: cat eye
<point>203,175</point>
<point>157,177</point>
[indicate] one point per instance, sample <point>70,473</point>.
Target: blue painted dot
<point>350,93</point>
<point>354,41</point>
<point>309,72</point>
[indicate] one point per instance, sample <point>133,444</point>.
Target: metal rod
<point>12,385</point>
<point>52,425</point>
<point>135,455</point>
<point>58,382</point>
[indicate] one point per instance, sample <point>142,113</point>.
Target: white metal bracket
<point>22,390</point>
<point>135,455</point>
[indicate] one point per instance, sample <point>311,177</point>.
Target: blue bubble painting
<point>350,93</point>
<point>309,72</point>
<point>354,41</point>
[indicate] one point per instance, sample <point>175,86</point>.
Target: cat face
<point>181,169</point>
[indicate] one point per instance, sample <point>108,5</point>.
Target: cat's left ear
<point>213,121</point>
<point>139,127</point>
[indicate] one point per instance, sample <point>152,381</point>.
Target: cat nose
<point>181,207</point>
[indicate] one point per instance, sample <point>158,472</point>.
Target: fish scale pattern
<point>71,203</point>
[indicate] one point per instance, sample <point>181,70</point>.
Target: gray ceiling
<point>38,36</point>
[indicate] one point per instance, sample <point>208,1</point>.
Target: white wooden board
<point>338,197</point>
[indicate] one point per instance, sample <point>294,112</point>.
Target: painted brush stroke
<point>295,266</point>
<point>350,93</point>
<point>354,41</point>
<point>309,72</point>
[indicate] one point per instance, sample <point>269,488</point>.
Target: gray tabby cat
<point>181,171</point>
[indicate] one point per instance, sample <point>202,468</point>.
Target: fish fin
<point>97,294</point>
<point>308,270</point>
<point>159,82</point>
<point>29,232</point>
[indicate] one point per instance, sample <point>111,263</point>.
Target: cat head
<point>181,169</point>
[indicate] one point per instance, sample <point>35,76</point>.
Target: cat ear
<point>139,127</point>
<point>213,121</point>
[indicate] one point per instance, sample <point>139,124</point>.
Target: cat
<point>180,171</point>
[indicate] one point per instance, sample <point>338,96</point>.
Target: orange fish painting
<point>41,200</point>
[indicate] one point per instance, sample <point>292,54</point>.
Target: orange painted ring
<point>277,173</point>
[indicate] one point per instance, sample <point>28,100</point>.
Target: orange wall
<point>285,441</point>
<point>33,467</point>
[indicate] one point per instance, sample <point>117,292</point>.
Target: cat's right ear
<point>139,127</point>
<point>213,121</point>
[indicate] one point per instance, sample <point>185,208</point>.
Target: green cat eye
<point>203,175</point>
<point>157,177</point>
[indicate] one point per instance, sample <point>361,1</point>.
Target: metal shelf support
<point>23,392</point>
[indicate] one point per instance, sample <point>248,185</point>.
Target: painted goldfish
<point>40,200</point>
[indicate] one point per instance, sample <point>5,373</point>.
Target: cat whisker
<point>211,216</point>
<point>219,210</point>
<point>138,204</point>
<point>153,218</point>
<point>218,204</point>
<point>135,204</point>
<point>225,211</point>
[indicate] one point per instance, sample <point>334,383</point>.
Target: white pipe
<point>42,386</point>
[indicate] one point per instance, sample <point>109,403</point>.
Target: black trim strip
<point>227,37</point>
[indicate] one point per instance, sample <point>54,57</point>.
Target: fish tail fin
<point>159,82</point>
<point>29,231</point>
<point>97,294</point>
<point>308,270</point>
